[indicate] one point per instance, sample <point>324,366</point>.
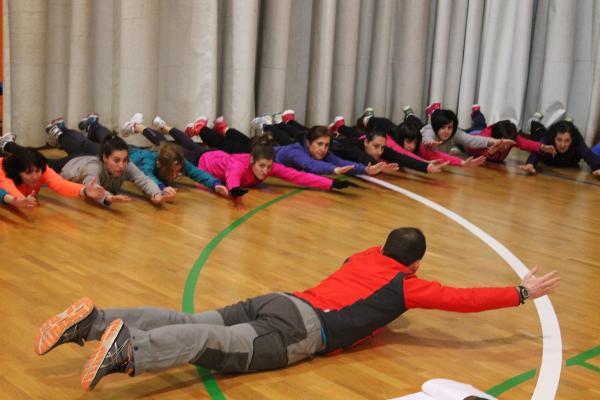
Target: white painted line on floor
<point>549,375</point>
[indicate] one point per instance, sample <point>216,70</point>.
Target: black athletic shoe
<point>113,355</point>
<point>70,326</point>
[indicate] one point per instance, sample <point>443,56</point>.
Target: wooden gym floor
<point>137,254</point>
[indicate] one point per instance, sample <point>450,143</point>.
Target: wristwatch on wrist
<point>523,294</point>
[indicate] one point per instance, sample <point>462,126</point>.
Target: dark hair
<point>262,152</point>
<point>373,133</point>
<point>266,139</point>
<point>110,144</point>
<point>316,132</point>
<point>441,118</point>
<point>168,156</point>
<point>405,245</point>
<point>407,131</point>
<point>504,129</point>
<point>23,160</point>
<point>562,127</point>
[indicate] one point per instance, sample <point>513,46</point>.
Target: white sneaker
<point>54,133</point>
<point>256,126</point>
<point>129,126</point>
<point>367,114</point>
<point>278,118</point>
<point>8,137</point>
<point>158,122</point>
<point>537,116</point>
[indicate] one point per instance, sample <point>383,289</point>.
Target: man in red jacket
<point>371,289</point>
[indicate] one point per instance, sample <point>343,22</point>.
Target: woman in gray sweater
<point>110,168</point>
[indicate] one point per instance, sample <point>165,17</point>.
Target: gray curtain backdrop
<point>183,58</point>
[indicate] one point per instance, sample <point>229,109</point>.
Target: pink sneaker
<point>436,105</point>
<point>337,123</point>
<point>220,125</point>
<point>193,129</point>
<point>288,115</point>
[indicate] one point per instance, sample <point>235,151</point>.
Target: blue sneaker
<point>87,121</point>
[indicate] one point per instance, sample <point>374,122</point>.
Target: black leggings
<point>192,151</point>
<point>387,126</point>
<point>349,132</point>
<point>232,142</point>
<point>286,133</point>
<point>77,145</point>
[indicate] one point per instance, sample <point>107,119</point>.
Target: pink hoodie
<point>236,171</point>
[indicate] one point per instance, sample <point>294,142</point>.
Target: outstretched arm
<point>419,293</point>
<point>26,202</point>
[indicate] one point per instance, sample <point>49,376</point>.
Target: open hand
<point>343,170</point>
<point>548,149</point>
<point>21,202</point>
<point>473,162</point>
<point>538,287</point>
<point>432,143</point>
<point>529,168</point>
<point>374,169</point>
<point>169,191</point>
<point>389,168</point>
<point>94,191</point>
<point>436,166</point>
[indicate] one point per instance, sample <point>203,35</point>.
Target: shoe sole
<point>93,364</point>
<point>52,329</point>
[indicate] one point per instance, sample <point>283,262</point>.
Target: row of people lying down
<point>560,145</point>
<point>411,144</point>
<point>374,145</point>
<point>103,157</point>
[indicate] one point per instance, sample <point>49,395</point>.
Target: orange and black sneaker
<point>70,326</point>
<point>113,355</point>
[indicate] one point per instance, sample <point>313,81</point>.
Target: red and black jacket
<point>371,290</point>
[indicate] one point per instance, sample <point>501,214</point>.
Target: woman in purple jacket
<point>312,154</point>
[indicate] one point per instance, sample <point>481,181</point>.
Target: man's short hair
<point>405,245</point>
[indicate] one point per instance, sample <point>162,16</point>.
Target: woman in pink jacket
<point>245,170</point>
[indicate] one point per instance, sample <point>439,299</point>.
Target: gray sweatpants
<point>265,332</point>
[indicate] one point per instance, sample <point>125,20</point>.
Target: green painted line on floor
<point>212,387</point>
<point>581,359</point>
<point>511,383</point>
